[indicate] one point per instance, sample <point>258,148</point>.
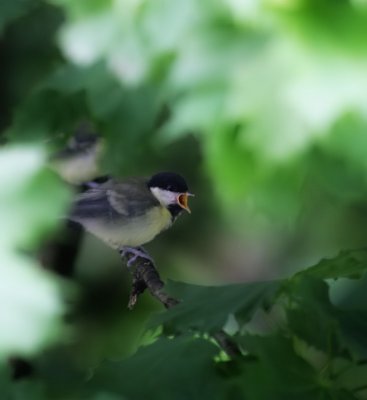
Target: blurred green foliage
<point>261,105</point>
<point>32,308</point>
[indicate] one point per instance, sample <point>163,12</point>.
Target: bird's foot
<point>136,252</point>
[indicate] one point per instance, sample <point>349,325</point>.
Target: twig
<point>227,344</point>
<point>146,276</point>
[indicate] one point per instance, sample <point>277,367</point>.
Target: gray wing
<point>114,199</point>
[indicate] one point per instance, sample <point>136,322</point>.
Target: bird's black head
<point>168,181</point>
<point>171,190</point>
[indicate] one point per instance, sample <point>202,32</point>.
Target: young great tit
<point>78,162</point>
<point>126,214</point>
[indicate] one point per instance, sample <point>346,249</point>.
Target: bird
<point>78,162</point>
<point>128,213</point>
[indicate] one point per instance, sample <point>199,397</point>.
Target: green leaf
<point>353,326</point>
<point>207,308</point>
<point>32,307</point>
<point>32,200</point>
<point>45,113</point>
<point>27,390</point>
<point>181,368</point>
<point>340,331</point>
<point>347,264</point>
<point>10,10</point>
<point>59,371</point>
<point>310,314</point>
<point>280,374</point>
<point>317,21</point>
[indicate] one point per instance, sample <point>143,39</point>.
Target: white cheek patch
<point>165,197</point>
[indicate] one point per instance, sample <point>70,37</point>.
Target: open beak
<point>182,201</point>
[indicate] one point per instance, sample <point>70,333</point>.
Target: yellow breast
<point>131,231</point>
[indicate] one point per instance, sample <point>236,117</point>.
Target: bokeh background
<point>260,104</point>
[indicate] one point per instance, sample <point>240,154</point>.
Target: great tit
<point>78,162</point>
<point>126,214</point>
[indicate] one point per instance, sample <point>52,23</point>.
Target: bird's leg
<point>136,252</point>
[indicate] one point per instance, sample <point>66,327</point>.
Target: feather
<point>121,213</point>
<point>114,200</point>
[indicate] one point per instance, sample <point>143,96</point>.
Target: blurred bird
<point>126,214</point>
<point>78,162</point>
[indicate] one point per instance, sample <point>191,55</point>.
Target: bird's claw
<point>136,252</point>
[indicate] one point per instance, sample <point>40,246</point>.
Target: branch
<point>145,276</point>
<point>227,344</point>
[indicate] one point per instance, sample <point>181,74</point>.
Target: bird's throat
<point>175,210</point>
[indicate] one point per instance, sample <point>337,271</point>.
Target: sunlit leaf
<point>32,307</point>
<point>32,201</point>
<point>32,198</point>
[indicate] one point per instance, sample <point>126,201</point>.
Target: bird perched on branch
<point>126,214</point>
